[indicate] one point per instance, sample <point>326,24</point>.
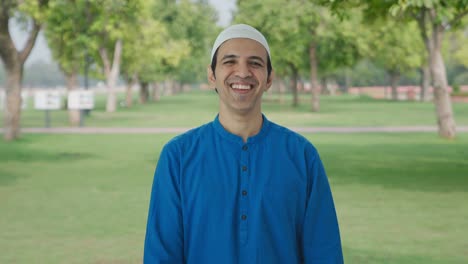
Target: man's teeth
<point>240,86</point>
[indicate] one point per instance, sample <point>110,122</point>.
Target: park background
<point>75,194</point>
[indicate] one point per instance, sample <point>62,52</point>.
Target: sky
<point>41,51</point>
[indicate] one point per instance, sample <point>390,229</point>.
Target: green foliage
<point>32,9</point>
<point>341,43</point>
<point>77,29</point>
<point>68,33</point>
<point>396,46</point>
<point>149,48</point>
<point>455,47</point>
<point>446,13</point>
<point>193,25</point>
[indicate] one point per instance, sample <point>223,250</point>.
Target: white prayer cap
<point>239,31</point>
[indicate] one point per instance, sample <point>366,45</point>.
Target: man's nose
<point>243,70</point>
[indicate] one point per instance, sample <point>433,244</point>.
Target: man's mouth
<point>237,86</point>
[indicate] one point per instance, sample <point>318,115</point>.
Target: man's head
<point>240,69</point>
<point>240,31</point>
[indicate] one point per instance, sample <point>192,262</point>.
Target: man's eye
<point>228,62</point>
<point>256,64</point>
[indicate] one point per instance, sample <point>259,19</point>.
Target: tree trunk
<point>314,78</point>
<point>129,90</point>
<point>324,86</point>
<point>442,101</point>
<point>112,73</point>
<point>394,78</point>
<point>144,92</point>
<point>73,114</point>
<point>293,81</point>
<point>168,87</point>
<point>12,110</point>
<point>348,81</point>
<point>425,83</point>
<point>177,87</point>
<point>156,92</point>
<point>13,61</point>
<point>282,91</point>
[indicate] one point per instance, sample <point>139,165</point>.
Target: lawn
<point>401,198</point>
<point>197,107</point>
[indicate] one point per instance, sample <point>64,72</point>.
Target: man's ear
<point>211,76</point>
<point>270,80</point>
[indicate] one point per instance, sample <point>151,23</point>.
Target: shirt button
<point>244,193</point>
<point>243,217</point>
<point>245,148</point>
<point>244,168</point>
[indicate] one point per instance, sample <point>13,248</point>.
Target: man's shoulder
<point>291,138</point>
<point>191,136</point>
<point>287,133</point>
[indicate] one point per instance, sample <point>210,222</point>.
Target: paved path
<point>162,130</point>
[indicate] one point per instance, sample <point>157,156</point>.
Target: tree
<point>395,46</point>
<point>113,19</point>
<point>434,18</point>
<point>32,13</point>
<point>341,44</point>
<point>149,50</point>
<point>69,40</point>
<point>193,22</point>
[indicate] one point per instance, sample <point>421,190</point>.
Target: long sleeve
<point>321,235</point>
<point>164,232</point>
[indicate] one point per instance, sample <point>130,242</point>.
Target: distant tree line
<point>40,74</point>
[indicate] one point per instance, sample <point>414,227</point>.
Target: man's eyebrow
<point>257,58</point>
<point>230,56</point>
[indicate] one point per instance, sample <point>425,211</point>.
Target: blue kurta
<point>216,199</point>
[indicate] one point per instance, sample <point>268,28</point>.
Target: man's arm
<point>164,232</point>
<point>321,235</point>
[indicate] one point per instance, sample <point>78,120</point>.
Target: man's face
<point>240,76</point>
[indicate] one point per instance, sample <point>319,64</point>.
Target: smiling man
<point>241,189</point>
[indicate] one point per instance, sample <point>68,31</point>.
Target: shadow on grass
<point>16,154</point>
<point>32,155</point>
<point>414,167</point>
<point>8,177</point>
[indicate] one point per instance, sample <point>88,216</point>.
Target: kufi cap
<point>239,31</point>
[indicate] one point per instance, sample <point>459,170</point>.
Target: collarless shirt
<point>218,199</point>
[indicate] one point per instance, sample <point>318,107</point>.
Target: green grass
<point>401,198</point>
<point>197,107</point>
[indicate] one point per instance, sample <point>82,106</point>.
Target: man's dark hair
<point>215,58</point>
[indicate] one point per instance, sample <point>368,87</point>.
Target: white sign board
<point>24,100</point>
<point>79,100</point>
<point>47,100</point>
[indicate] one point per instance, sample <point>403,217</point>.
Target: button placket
<point>243,197</point>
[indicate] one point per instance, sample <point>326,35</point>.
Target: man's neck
<point>244,126</point>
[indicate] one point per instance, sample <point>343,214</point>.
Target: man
<point>241,189</point>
